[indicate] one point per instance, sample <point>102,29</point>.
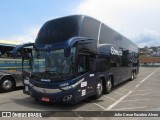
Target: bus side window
<point>4,55</point>
<point>83,64</point>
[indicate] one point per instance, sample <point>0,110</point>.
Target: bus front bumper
<point>53,95</point>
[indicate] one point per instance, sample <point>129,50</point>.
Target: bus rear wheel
<point>7,84</point>
<point>133,75</point>
<point>108,86</point>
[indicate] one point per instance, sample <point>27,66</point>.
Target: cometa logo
<point>116,52</point>
<point>45,80</point>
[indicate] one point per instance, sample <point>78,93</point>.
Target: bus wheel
<point>7,84</point>
<point>99,89</point>
<point>108,87</point>
<point>132,75</point>
<point>135,75</point>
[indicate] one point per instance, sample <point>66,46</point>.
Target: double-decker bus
<point>75,57</point>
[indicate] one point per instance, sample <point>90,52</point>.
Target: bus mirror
<point>67,52</point>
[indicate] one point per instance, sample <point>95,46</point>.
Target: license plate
<point>45,99</point>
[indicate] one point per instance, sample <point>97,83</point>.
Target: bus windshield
<point>53,64</point>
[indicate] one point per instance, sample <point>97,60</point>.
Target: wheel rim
<point>7,84</point>
<point>109,85</point>
<point>132,75</point>
<point>99,88</point>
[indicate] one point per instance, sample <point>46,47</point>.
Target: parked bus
<point>10,69</point>
<point>75,57</point>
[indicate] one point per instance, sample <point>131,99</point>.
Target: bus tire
<point>99,89</point>
<point>135,74</point>
<point>132,75</point>
<point>7,84</point>
<point>108,86</point>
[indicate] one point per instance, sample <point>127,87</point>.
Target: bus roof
<point>9,43</point>
<point>62,29</point>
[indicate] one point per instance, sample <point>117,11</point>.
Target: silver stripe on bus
<point>45,90</point>
<point>99,32</point>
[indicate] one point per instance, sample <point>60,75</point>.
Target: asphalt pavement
<point>141,94</point>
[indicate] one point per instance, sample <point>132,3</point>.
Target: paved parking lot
<point>141,94</point>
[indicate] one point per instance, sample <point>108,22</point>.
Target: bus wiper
<point>56,74</point>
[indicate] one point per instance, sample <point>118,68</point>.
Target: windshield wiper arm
<point>57,74</point>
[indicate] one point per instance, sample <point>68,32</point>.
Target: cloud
<point>148,38</point>
<point>128,17</point>
<point>30,35</point>
<point>138,20</point>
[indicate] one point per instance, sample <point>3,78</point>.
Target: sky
<point>138,20</point>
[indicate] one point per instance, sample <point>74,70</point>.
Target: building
<point>149,61</point>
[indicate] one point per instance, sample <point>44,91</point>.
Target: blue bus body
<point>76,57</point>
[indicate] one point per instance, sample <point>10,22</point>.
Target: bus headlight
<point>67,87</point>
<point>71,86</point>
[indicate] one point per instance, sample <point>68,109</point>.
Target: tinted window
<point>106,36</point>
<point>6,52</point>
<point>90,28</point>
<point>83,64</point>
<point>58,30</point>
<point>125,58</point>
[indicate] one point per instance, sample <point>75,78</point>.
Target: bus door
<point>83,70</point>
